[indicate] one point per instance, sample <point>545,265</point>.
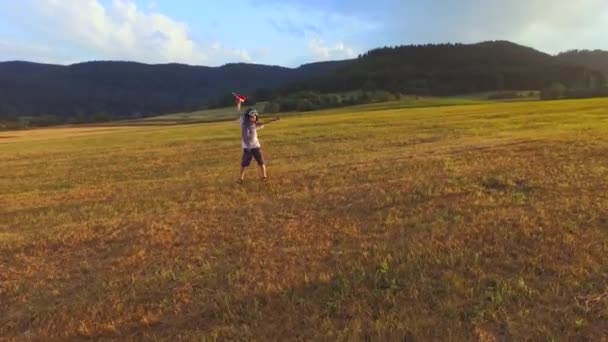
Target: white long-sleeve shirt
<point>249,134</point>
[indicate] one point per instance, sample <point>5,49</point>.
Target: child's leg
<point>263,170</point>
<point>257,154</point>
<point>247,156</point>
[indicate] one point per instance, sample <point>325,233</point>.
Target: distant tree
<point>272,107</point>
<point>601,79</point>
<point>365,97</point>
<point>595,60</point>
<point>225,100</point>
<point>263,94</point>
<point>382,96</point>
<point>46,120</point>
<point>500,82</point>
<point>213,103</point>
<point>553,92</point>
<point>369,85</point>
<point>8,113</point>
<point>289,104</point>
<point>305,105</point>
<point>505,95</point>
<point>101,116</point>
<point>586,93</point>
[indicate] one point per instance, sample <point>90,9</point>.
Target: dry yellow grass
<point>466,222</point>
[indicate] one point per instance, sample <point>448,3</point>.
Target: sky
<point>283,32</point>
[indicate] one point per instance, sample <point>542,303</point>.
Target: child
<point>250,143</point>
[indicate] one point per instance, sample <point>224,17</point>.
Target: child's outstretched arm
<point>261,124</point>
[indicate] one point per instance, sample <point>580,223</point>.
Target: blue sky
<point>287,32</point>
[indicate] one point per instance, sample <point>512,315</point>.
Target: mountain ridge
<point>107,90</point>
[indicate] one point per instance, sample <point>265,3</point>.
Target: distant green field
<point>523,95</point>
<point>484,221</point>
<point>210,115</point>
<point>227,114</point>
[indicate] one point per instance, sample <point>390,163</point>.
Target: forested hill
<point>123,89</point>
<point>449,69</point>
<point>96,91</point>
<point>596,59</point>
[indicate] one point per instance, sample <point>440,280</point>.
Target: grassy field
<point>202,116</point>
<point>485,222</point>
<point>228,114</point>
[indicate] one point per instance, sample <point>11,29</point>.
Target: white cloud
<point>546,24</point>
<point>321,52</point>
<point>219,52</point>
<point>120,31</point>
<point>550,25</point>
<point>572,25</point>
<point>11,50</point>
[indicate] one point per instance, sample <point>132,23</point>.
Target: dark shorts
<point>249,153</point>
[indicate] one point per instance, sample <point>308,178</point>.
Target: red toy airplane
<point>239,99</point>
